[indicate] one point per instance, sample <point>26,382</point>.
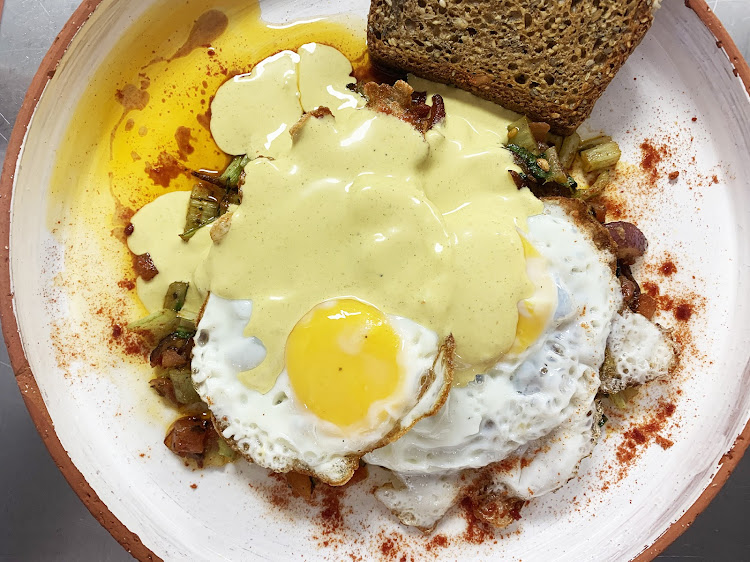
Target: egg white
<point>275,430</point>
<point>539,404</point>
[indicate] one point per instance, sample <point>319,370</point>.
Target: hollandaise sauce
<point>354,203</point>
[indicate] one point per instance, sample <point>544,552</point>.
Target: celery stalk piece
<point>569,150</point>
<point>158,324</point>
<point>594,141</point>
<point>231,176</point>
<point>556,172</point>
<point>601,156</point>
<point>597,188</point>
<point>184,390</point>
<point>519,133</point>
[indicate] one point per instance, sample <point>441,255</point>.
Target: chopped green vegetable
<point>188,234</point>
<point>536,165</point>
<point>519,134</point>
<point>185,328</point>
<point>594,141</point>
<point>597,188</point>
<point>231,176</point>
<point>202,209</point>
<point>556,172</point>
<point>175,297</point>
<point>208,203</point>
<point>530,162</point>
<point>184,390</point>
<point>158,324</point>
<point>603,420</point>
<point>621,399</point>
<point>618,401</point>
<point>225,450</point>
<point>555,140</point>
<point>569,150</point>
<point>601,156</point>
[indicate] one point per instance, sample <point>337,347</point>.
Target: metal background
<point>41,517</point>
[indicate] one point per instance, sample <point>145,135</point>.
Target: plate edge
<point>24,377</point>
<point>30,390</point>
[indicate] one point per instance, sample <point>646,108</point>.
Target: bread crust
<point>548,60</point>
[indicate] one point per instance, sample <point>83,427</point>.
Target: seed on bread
<point>550,60</point>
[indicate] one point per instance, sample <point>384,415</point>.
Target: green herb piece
<point>175,297</point>
<point>231,176</point>
<point>569,150</point>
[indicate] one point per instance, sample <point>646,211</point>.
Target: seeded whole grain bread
<point>547,59</point>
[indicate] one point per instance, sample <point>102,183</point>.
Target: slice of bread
<point>547,59</point>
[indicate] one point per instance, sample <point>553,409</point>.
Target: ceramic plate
<point>101,132</point>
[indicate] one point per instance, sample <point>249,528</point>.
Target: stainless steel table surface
<point>42,519</point>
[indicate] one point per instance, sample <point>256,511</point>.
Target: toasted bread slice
<point>550,60</point>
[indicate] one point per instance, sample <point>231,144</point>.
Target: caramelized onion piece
<point>188,436</point>
<point>172,351</point>
<point>647,306</point>
<point>599,211</point>
<point>630,241</point>
<point>164,388</point>
<point>144,267</point>
<point>437,111</point>
<point>631,291</point>
<point>401,101</point>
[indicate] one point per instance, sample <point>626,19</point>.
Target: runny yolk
<point>342,357</point>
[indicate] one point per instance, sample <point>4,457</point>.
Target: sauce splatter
<point>164,170</point>
<point>183,136</point>
<point>131,98</point>
<point>207,28</point>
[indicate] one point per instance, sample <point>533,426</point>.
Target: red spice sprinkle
<point>194,486</point>
<point>116,331</point>
<point>438,541</point>
<point>651,157</point>
<point>694,119</point>
<point>387,547</point>
<point>674,175</point>
<point>668,268</point>
<point>128,284</point>
<point>640,435</point>
<point>477,531</point>
<point>683,312</point>
<point>164,170</point>
<point>663,442</point>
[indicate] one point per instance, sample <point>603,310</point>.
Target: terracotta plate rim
<point>28,385</point>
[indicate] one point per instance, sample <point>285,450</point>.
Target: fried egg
<point>539,400</point>
<point>355,379</point>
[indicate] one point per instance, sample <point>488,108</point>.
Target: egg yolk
<point>535,312</point>
<point>342,357</point>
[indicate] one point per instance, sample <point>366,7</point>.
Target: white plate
<point>111,426</point>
